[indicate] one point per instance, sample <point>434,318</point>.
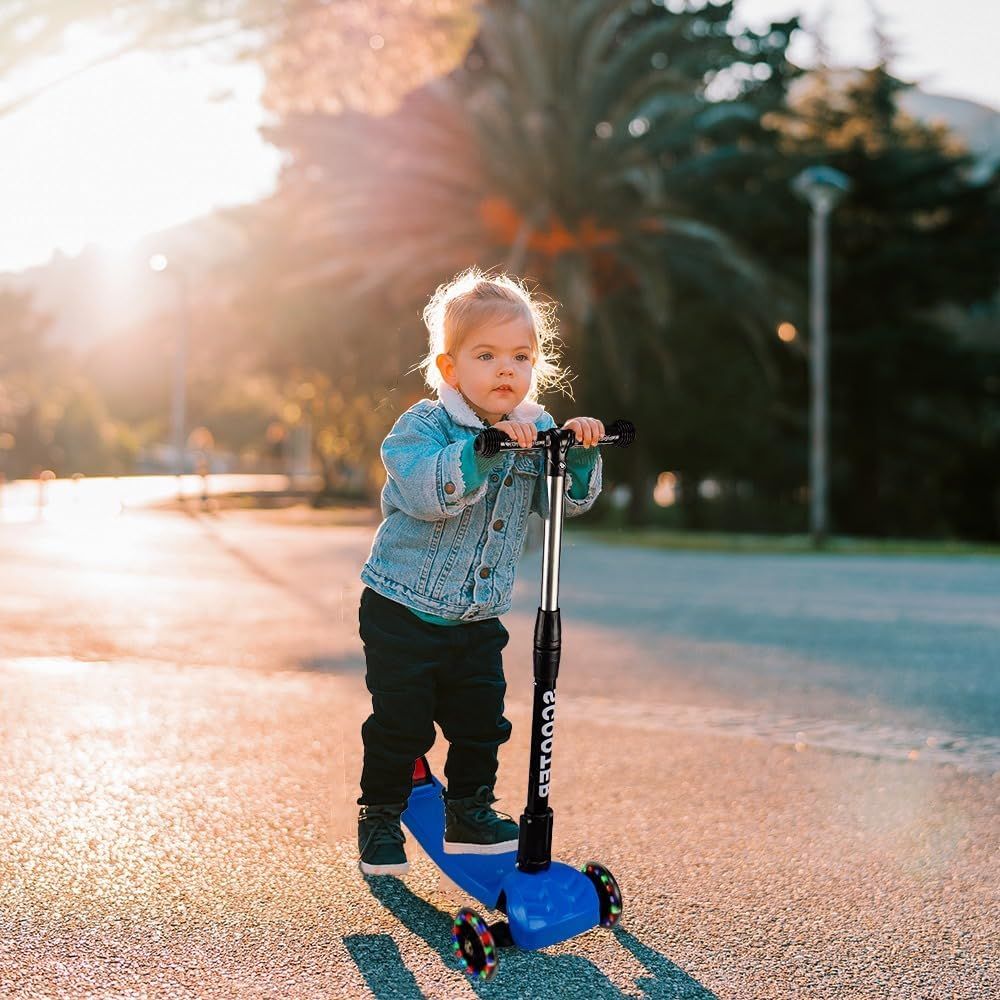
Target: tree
<point>50,415</point>
<point>551,153</point>
<point>349,53</point>
<point>911,407</point>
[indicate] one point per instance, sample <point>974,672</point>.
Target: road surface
<point>790,763</point>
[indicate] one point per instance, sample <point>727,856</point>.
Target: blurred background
<point>220,222</point>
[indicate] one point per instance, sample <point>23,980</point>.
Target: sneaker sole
<point>459,848</point>
<point>367,869</point>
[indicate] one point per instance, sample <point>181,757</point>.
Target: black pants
<point>418,674</point>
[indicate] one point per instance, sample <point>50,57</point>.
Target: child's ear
<point>446,366</point>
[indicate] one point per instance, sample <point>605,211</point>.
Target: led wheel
<point>473,945</point>
<point>608,893</point>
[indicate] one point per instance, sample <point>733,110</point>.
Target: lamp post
<point>178,409</point>
<point>823,187</point>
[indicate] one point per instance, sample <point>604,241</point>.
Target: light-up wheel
<point>473,945</point>
<point>608,893</point>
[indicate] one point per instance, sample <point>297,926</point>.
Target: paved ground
<point>791,764</point>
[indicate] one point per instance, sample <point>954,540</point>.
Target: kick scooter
<point>545,901</point>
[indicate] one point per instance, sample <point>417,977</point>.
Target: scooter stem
<point>534,848</point>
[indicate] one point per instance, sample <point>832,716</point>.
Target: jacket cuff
<point>571,505</point>
<point>463,476</point>
<point>574,506</point>
<point>580,464</point>
<point>475,468</point>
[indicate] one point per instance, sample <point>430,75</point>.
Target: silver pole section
<point>552,542</point>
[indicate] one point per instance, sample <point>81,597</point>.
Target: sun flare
<point>136,145</point>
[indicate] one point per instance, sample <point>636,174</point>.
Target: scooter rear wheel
<point>473,945</point>
<point>608,893</point>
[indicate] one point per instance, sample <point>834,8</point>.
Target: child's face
<point>492,356</point>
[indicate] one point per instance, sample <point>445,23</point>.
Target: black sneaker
<point>380,840</point>
<point>472,827</point>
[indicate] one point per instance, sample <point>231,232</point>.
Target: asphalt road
<point>790,763</point>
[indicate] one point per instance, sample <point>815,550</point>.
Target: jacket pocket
<point>432,549</point>
<point>454,550</point>
<point>529,478</point>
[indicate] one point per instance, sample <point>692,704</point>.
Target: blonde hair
<point>475,297</point>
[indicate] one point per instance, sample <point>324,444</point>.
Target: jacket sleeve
<point>579,471</point>
<point>425,478</point>
<point>476,469</point>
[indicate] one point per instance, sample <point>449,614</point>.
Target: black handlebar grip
<point>619,432</point>
<point>490,440</point>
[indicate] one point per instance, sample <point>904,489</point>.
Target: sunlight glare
<point>130,147</point>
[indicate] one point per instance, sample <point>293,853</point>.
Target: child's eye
<point>487,354</point>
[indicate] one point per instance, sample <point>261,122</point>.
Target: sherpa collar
<point>460,411</point>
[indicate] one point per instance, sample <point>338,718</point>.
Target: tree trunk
<point>640,484</point>
<point>691,502</point>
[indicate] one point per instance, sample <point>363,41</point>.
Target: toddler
<point>442,563</point>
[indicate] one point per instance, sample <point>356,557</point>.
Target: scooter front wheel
<point>608,893</point>
<point>473,945</point>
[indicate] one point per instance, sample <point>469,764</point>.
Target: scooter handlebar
<point>490,441</point>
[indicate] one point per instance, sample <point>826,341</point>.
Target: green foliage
<point>50,415</point>
<point>915,444</point>
<point>636,163</point>
<point>344,428</point>
<point>550,153</point>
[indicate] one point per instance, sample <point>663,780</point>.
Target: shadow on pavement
<point>351,664</point>
<point>522,974</point>
<point>209,526</point>
<point>378,958</point>
<point>668,980</point>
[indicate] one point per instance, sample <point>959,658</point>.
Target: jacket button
<point>484,572</point>
<point>449,487</point>
<point>498,524</point>
<point>508,481</point>
<point>494,477</point>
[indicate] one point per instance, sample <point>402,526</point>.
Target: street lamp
<point>823,187</point>
<point>159,262</point>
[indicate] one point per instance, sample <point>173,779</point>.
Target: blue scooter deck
<point>481,875</point>
<point>542,908</point>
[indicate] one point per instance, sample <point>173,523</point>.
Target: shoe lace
<point>482,809</point>
<point>383,831</point>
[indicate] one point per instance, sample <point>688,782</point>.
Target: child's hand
<point>588,430</point>
<point>524,434</point>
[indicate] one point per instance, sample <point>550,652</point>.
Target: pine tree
<point>909,401</point>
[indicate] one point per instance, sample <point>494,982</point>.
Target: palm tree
<point>558,150</point>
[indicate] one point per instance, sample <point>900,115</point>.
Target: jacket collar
<point>459,410</point>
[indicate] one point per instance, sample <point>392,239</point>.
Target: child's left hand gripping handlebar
<point>490,440</point>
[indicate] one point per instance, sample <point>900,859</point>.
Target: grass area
<point>294,510</point>
<point>280,509</point>
<point>659,538</point>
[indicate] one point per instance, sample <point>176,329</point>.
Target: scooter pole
<point>534,849</point>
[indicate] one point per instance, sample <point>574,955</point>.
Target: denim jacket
<point>448,547</point>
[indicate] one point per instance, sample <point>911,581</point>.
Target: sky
<point>128,148</point>
<point>956,56</point>
<point>148,142</point>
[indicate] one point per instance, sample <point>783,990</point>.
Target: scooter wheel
<point>473,945</point>
<point>608,893</point>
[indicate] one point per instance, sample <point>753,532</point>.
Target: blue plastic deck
<point>481,875</point>
<point>543,908</point>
